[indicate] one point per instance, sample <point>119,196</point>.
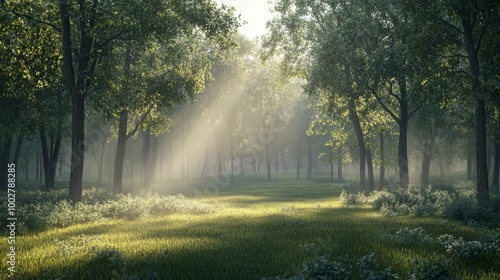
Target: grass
<point>258,233</point>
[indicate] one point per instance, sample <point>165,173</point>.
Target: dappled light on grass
<point>261,231</point>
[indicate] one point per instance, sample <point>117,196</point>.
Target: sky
<point>254,12</point>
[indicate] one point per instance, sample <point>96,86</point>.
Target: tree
<point>470,29</point>
<point>27,70</point>
<point>100,23</point>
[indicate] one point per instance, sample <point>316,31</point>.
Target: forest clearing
<point>250,139</point>
<point>250,229</point>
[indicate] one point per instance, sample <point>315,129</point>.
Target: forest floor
<point>263,229</point>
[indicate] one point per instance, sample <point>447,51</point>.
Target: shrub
<point>347,198</point>
<point>466,208</point>
<point>432,268</point>
<point>322,268</point>
<point>460,248</point>
<point>383,198</point>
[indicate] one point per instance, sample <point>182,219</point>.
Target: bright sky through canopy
<point>254,12</point>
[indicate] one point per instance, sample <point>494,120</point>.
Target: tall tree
<point>471,28</point>
<point>98,23</point>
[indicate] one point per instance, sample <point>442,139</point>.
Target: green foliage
<point>322,267</point>
<point>457,247</point>
<point>432,268</point>
<point>347,198</point>
<point>56,211</point>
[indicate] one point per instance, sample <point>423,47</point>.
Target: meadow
<point>248,229</point>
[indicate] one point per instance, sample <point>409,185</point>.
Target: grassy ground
<point>258,233</point>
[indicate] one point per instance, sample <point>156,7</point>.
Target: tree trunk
<point>442,171</point>
<point>268,162</point>
<point>27,167</point>
<point>427,151</point>
<point>232,158</point>
<point>283,159</point>
<point>101,162</point>
<point>205,164</point>
<point>37,167</point>
<point>146,152</point>
<point>153,160</point>
<point>469,161</point>
<point>357,127</point>
<point>361,145</point>
<point>382,163</point>
<point>331,170</point>
<point>496,168</point>
<point>77,148</point>
<point>120,151</point>
<point>369,163</point>
<point>50,159</point>
<point>309,159</point>
<point>299,158</point>
<point>340,162</point>
<point>6,147</point>
<point>276,162</point>
<point>20,138</point>
<point>468,25</point>
<point>241,164</point>
<point>78,86</point>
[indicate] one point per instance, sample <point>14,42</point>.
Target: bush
<point>381,199</point>
<point>460,248</point>
<point>465,208</point>
<point>432,268</point>
<point>347,198</point>
<point>322,268</point>
<point>51,209</point>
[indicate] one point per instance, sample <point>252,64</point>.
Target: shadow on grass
<point>228,247</point>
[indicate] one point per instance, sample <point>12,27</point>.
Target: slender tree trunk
<point>205,164</point>
<point>276,162</point>
<point>268,162</point>
<point>469,161</point>
<point>146,152</point>
<point>232,158</point>
<point>309,159</point>
<point>340,162</point>
<point>283,158</point>
<point>37,167</point>
<point>101,162</point>
<point>404,175</point>
<point>120,151</point>
<point>369,163</point>
<point>241,164</point>
<point>331,170</point>
<point>382,163</point>
<point>496,168</point>
<point>20,138</point>
<point>427,151</point>
<point>153,160</point>
<point>442,171</point>
<point>361,146</point>
<point>299,159</point>
<point>27,167</point>
<point>45,157</point>
<point>6,147</point>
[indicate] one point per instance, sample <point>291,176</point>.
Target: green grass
<point>258,233</point>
